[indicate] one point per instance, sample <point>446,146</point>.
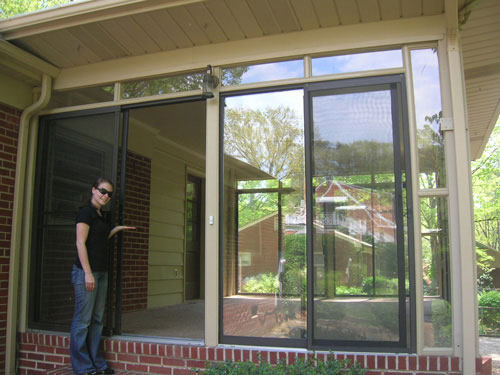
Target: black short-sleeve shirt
<point>97,240</point>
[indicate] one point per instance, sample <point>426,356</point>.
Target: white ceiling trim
<point>319,41</point>
<point>486,134</point>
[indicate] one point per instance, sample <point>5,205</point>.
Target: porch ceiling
<point>88,32</point>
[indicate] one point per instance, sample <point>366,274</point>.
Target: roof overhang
<point>154,35</point>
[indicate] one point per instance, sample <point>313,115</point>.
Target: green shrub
<point>489,317</point>
<point>383,286</point>
<point>300,367</point>
<point>263,283</point>
<point>342,290</point>
<point>490,299</point>
<point>441,322</point>
<point>294,276</point>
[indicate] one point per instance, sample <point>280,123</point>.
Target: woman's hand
<point>89,281</point>
<point>124,227</point>
<point>119,228</point>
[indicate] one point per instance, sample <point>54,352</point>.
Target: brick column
<point>9,128</point>
<point>136,243</point>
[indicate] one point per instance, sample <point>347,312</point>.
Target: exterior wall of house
<point>44,353</point>
<point>23,92</point>
<point>166,261</point>
<point>9,126</point>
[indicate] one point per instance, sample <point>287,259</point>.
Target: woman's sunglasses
<point>104,192</point>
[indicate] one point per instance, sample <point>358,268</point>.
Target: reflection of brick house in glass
<point>258,248</point>
<point>357,218</point>
<point>359,211</point>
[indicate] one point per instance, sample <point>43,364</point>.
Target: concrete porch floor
<point>186,321</point>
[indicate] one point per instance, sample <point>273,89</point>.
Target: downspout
<point>17,220</point>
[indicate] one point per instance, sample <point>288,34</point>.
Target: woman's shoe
<point>106,371</point>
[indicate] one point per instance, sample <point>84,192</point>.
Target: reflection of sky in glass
<point>357,62</point>
<point>273,71</point>
<point>292,99</point>
<point>353,117</point>
<point>425,71</point>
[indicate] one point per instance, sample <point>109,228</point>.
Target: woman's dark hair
<point>102,180</point>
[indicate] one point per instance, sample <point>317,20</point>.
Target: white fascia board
<point>79,13</point>
<point>320,41</point>
<point>491,124</point>
<point>26,61</point>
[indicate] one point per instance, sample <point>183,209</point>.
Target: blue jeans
<point>86,328</point>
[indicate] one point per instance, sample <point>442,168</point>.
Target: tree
<point>431,152</point>
<point>165,85</point>
<point>486,189</point>
<point>14,7</point>
<point>272,141</point>
<point>269,139</point>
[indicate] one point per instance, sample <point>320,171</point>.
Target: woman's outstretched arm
<point>119,228</point>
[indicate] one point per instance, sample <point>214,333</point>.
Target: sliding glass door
<point>73,151</point>
<point>357,198</point>
<point>315,234</point>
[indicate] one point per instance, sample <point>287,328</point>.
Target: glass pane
<point>264,252</point>
<point>263,72</point>
<point>357,62</point>
<point>87,95</point>
<point>436,272</point>
<point>159,86</point>
<point>73,153</point>
<point>193,239</point>
<point>428,109</point>
<point>355,245</point>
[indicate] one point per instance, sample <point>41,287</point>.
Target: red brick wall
<point>136,243</point>
<point>9,127</point>
<point>261,241</point>
<point>250,316</point>
<point>48,354</point>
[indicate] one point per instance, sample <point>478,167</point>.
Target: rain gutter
<point>27,116</point>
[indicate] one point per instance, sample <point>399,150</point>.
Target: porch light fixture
<point>210,82</point>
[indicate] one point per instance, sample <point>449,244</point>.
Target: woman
<point>90,280</point>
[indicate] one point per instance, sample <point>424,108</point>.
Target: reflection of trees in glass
<point>293,277</point>
<point>269,139</point>
<point>136,89</point>
<point>233,76</point>
<point>254,206</point>
<point>433,213</point>
<point>430,142</point>
<point>165,85</point>
<point>357,161</point>
<point>272,141</point>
